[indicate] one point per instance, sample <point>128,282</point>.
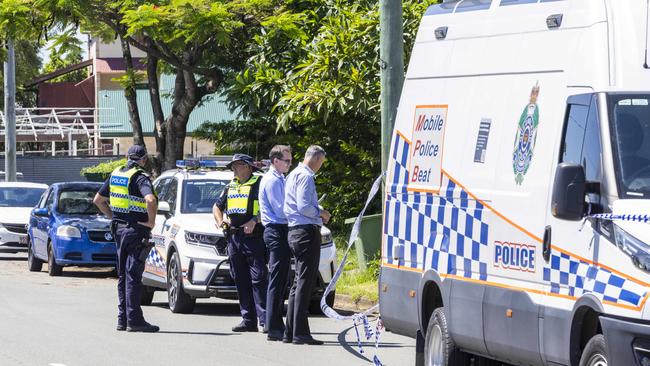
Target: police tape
<point>358,318</point>
<point>616,217</point>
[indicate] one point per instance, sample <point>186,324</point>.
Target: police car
<point>189,259</point>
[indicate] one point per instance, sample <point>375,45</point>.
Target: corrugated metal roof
<point>114,121</point>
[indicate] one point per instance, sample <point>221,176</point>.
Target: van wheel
<point>439,348</point>
<point>146,295</point>
<point>595,353</point>
<point>179,301</point>
<point>314,304</point>
<point>53,269</point>
<point>34,264</point>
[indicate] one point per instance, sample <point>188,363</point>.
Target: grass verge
<point>356,282</point>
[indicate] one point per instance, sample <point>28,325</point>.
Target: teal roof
<point>114,113</point>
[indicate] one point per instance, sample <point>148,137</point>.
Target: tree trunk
<point>186,97</point>
<point>130,93</point>
<point>158,115</point>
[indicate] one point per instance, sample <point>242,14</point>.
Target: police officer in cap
<point>127,197</point>
<point>246,248</point>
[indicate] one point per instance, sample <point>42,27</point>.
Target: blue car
<point>67,229</point>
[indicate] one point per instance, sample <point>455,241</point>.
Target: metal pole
<point>391,61</point>
<point>10,112</point>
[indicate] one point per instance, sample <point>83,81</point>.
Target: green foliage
<point>66,51</point>
<point>28,64</point>
<point>355,282</point>
<point>106,167</point>
<point>313,78</point>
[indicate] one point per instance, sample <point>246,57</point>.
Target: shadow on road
<point>211,309</point>
<point>197,333</point>
<point>13,258</point>
<point>81,273</point>
<point>368,347</point>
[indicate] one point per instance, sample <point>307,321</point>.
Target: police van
<point>189,259</point>
<point>518,185</point>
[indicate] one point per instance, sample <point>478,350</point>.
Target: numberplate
<point>22,240</point>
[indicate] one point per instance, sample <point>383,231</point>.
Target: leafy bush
<point>103,168</point>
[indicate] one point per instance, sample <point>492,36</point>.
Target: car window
<point>200,195</point>
<point>77,202</point>
<point>171,194</point>
<point>581,144</point>
<point>20,196</point>
<point>160,186</point>
<point>50,200</point>
<point>574,133</point>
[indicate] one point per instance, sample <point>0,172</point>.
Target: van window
<point>581,144</point>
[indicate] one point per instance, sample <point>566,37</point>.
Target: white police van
<point>189,259</point>
<point>519,118</point>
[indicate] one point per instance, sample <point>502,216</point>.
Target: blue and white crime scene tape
<point>358,318</point>
<point>616,217</point>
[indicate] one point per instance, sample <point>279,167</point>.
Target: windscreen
<point>77,202</point>
<point>630,127</point>
<point>200,195</point>
<point>20,197</point>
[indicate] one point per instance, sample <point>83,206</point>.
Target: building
<point>102,106</point>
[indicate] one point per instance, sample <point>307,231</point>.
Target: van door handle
<point>546,243</point>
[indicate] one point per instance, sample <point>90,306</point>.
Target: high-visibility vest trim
<point>120,200</point>
<point>238,196</point>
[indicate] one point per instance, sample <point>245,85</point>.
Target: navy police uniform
<point>246,252</point>
<point>130,237</point>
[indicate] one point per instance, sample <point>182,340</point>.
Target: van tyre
<point>179,301</point>
<point>53,269</point>
<point>146,295</point>
<point>595,352</point>
<point>34,264</point>
<point>314,304</point>
<point>439,348</point>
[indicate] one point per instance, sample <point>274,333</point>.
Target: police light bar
<point>196,164</point>
<point>188,164</point>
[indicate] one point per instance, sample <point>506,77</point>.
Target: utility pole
<point>10,112</point>
<point>391,63</point>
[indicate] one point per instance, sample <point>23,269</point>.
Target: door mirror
<point>568,202</point>
<point>164,209</point>
<point>42,212</point>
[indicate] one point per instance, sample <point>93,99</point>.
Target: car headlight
<point>68,231</point>
<point>326,239</point>
<point>635,248</point>
<point>198,238</point>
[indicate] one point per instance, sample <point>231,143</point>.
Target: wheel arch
<point>430,297</point>
<point>585,324</point>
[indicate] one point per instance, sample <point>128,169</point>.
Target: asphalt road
<point>70,320</point>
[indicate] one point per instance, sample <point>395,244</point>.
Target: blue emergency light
<point>196,164</point>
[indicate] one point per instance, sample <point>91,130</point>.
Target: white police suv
<point>189,259</point>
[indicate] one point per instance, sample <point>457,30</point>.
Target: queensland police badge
<point>525,138</point>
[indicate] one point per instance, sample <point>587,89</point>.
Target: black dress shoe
<point>311,341</point>
<point>243,327</point>
<point>271,338</point>
<point>144,328</point>
<point>120,327</point>
<point>287,340</point>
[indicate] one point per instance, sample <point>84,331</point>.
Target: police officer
<point>128,198</point>
<point>246,249</point>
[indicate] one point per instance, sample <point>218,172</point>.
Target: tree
<point>313,77</point>
<point>28,65</point>
<point>66,51</point>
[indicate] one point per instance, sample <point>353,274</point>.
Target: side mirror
<point>164,209</point>
<point>42,212</point>
<point>569,189</point>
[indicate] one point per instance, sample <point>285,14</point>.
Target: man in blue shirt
<point>275,236</point>
<point>305,217</point>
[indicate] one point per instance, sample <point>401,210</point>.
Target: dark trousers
<point>129,242</point>
<point>248,268</point>
<point>277,246</point>
<point>304,241</point>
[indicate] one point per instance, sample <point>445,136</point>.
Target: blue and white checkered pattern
<point>574,277</point>
<point>237,195</point>
<point>442,231</point>
<point>155,259</point>
<point>231,211</point>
